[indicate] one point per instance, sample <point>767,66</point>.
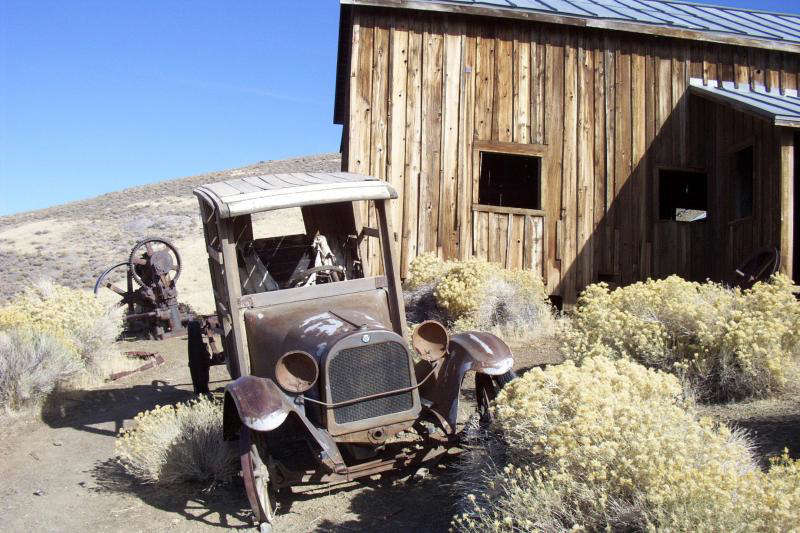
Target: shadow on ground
<point>220,505</point>
<point>87,410</point>
<point>397,504</point>
<point>772,435</point>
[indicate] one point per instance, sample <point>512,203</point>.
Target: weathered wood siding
<point>607,110</point>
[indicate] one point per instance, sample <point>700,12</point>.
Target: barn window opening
<point>682,195</point>
<point>743,183</point>
<point>509,180</point>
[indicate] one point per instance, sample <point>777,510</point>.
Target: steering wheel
<point>299,278</point>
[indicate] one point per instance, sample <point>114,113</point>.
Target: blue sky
<point>99,96</point>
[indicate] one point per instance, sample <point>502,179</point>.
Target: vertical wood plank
<point>484,86</point>
<point>522,85</point>
<point>638,146</point>
<point>502,127</point>
<point>599,177</point>
<point>360,117</point>
<point>379,127</point>
<point>527,242</point>
<point>570,170</point>
<point>431,138</point>
<point>679,82</point>
<point>465,133</point>
<point>397,130</point>
<point>413,155</point>
<point>551,187</point>
<point>622,162</point>
<point>609,57</point>
<point>481,235</point>
<point>448,237</point>
<point>516,233</point>
<point>538,246</point>
<point>537,88</point>
<point>585,155</point>
<point>787,197</point>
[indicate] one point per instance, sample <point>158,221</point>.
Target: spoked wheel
<point>256,479</point>
<point>154,257</point>
<point>105,281</point>
<point>759,267</point>
<point>486,390</point>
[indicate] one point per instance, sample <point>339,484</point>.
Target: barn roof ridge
<point>671,18</point>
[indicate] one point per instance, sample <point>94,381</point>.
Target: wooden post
<point>233,323</point>
<point>391,269</point>
<point>787,199</point>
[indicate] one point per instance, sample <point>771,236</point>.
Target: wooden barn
<point>610,140</point>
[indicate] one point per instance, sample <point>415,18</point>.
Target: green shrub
<point>614,445</point>
<point>727,343</point>
<point>178,444</point>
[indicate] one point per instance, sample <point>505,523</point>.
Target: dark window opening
<point>682,195</point>
<point>743,183</point>
<point>510,181</point>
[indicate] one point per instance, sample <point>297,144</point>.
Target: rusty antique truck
<point>325,386</point>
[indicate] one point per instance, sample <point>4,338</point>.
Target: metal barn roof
<point>254,194</point>
<point>746,27</point>
<point>780,109</point>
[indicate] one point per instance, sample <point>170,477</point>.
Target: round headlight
<point>430,340</point>
<point>296,372</point>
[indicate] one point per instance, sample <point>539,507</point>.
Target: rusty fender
<point>261,405</point>
<point>482,352</point>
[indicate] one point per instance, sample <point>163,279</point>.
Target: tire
<point>486,390</point>
<point>199,358</point>
<point>256,480</point>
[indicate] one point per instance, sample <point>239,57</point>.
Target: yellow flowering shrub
<point>73,316</point>
<point>727,343</point>
<point>473,294</point>
<point>463,287</point>
<point>177,443</point>
<point>424,269</point>
<point>614,445</point>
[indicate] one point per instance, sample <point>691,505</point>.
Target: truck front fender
<point>261,405</point>
<point>256,402</point>
<point>479,351</point>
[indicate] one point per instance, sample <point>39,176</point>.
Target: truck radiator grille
<point>366,370</point>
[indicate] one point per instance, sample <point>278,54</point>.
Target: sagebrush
<point>32,365</point>
<point>55,337</point>
<point>75,317</point>
<point>177,444</point>
<point>727,343</point>
<point>614,445</point>
<point>476,294</point>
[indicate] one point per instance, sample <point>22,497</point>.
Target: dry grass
<point>32,365</point>
<point>177,444</point>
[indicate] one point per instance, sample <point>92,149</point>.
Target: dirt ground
<point>59,474</point>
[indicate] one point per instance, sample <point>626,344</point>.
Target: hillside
<point>74,242</point>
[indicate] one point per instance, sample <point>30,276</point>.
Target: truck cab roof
<point>254,194</point>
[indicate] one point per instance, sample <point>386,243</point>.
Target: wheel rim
<point>256,479</point>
